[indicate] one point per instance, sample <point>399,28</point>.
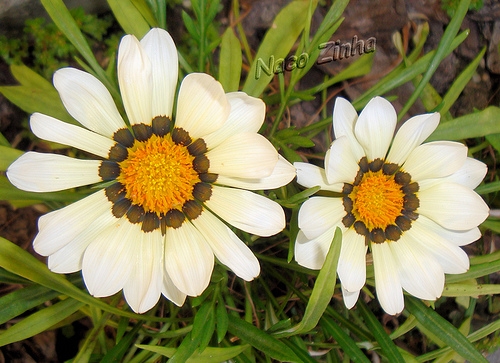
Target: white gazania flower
<point>411,204</point>
<point>171,186</point>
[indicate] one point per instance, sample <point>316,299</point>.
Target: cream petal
<point>51,129</point>
<point>429,236</point>
<point>88,101</point>
<point>470,175</point>
<point>202,106</point>
<point>319,214</point>
<point>243,155</point>
<point>282,174</point>
<point>350,298</point>
<point>60,227</point>
<point>352,261</point>
<point>161,50</point>
<point>387,282</point>
<point>421,275</point>
<point>227,247</point>
<point>250,212</point>
<point>435,160</point>
<point>341,165</point>
<point>189,260</point>
<point>411,134</point>
<point>453,206</point>
<point>309,176</point>
<point>37,172</point>
<point>375,127</point>
<point>171,292</point>
<point>135,78</point>
<point>142,290</point>
<point>247,115</point>
<point>107,260</point>
<point>311,253</point>
<point>344,118</point>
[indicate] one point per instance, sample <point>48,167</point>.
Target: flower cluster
<point>169,184</point>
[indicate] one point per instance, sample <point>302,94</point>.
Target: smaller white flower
<point>411,204</point>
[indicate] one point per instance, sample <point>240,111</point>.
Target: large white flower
<point>171,186</point>
<point>411,204</point>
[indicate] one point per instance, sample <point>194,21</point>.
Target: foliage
<point>289,313</point>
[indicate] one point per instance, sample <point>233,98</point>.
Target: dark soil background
<point>364,19</point>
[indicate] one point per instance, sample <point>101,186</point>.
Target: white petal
<point>171,292</point>
<point>341,165</point>
<point>189,260</point>
<point>142,290</point>
<point>350,298</point>
<point>429,236</point>
<point>135,78</point>
<point>375,127</point>
<point>344,118</point>
<point>60,227</point>
<point>309,176</point>
<point>243,155</point>
<point>453,206</point>
<point>421,275</point>
<point>282,174</point>
<point>202,106</point>
<point>387,282</point>
<point>250,212</point>
<point>227,247</point>
<point>88,101</point>
<point>470,175</point>
<point>311,253</point>
<point>352,261</point>
<point>37,172</point>
<point>247,115</point>
<point>435,160</point>
<point>107,260</point>
<point>411,134</point>
<point>319,214</point>
<point>161,50</point>
<point>51,129</point>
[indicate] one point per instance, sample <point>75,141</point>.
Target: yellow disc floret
<point>158,174</point>
<point>377,200</point>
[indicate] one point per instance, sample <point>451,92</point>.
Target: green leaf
<point>209,355</point>
<point>470,290</point>
<point>40,321</point>
<point>230,61</point>
<point>119,350</point>
<point>261,340</point>
<point>204,324</point>
<point>476,271</point>
<point>130,18</point>
<point>323,289</point>
<point>488,188</point>
<point>276,44</point>
<point>390,349</point>
<point>7,156</point>
<point>65,22</point>
<point>348,345</point>
<point>146,12</point>
<point>443,329</point>
<point>476,124</point>
<point>222,321</point>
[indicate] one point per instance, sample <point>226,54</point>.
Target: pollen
<point>377,200</point>
<point>158,174</point>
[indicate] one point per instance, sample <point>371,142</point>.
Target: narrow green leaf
<point>261,340</point>
<point>146,12</point>
<point>470,290</point>
<point>65,22</point>
<point>187,348</point>
<point>230,61</point>
<point>276,44</point>
<point>7,156</point>
<point>390,349</point>
<point>443,329</point>
<point>129,17</point>
<point>492,187</point>
<point>300,197</point>
<point>204,324</point>
<point>476,271</point>
<point>119,350</point>
<point>22,300</point>
<point>475,124</point>
<point>40,321</point>
<point>209,355</point>
<point>222,321</point>
<point>323,289</point>
<point>29,78</point>
<point>348,345</point>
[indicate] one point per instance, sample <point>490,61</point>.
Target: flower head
<point>411,203</point>
<point>171,183</point>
